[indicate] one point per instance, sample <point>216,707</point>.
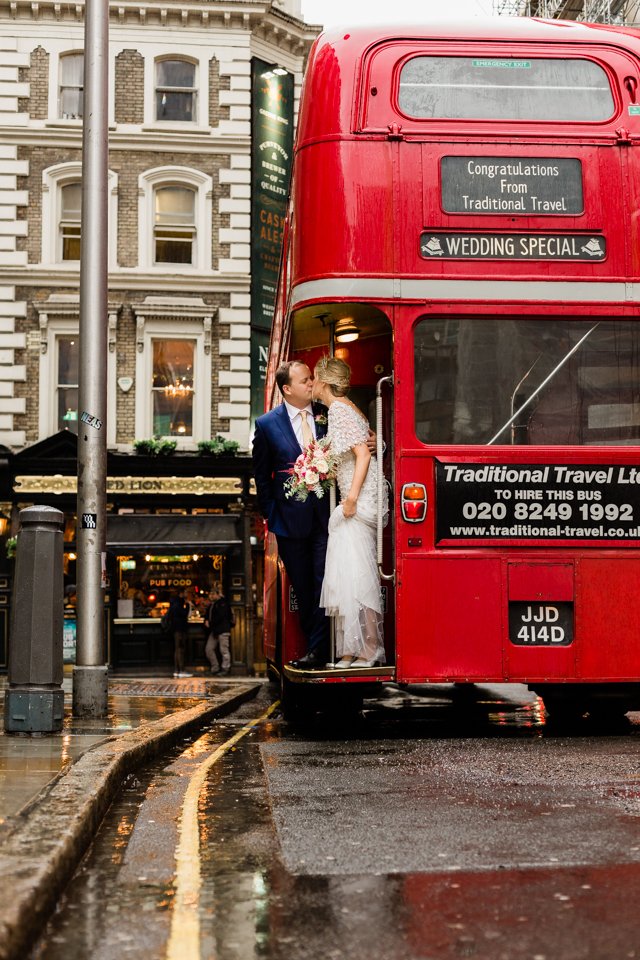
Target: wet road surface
<point>438,825</point>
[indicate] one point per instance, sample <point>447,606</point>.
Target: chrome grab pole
<point>332,620</point>
<point>381,478</point>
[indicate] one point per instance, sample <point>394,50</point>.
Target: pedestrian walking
<point>178,616</point>
<point>218,622</point>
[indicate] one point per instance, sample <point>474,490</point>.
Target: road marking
<point>184,940</point>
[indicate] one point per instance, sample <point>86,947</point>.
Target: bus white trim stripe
<point>375,288</point>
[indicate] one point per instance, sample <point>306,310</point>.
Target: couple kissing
<point>330,559</point>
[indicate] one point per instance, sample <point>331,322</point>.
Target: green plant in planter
<point>218,446</point>
<point>155,447</point>
<point>10,546</point>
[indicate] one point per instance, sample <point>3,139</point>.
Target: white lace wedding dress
<point>351,587</point>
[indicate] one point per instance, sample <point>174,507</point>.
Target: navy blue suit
<point>300,528</point>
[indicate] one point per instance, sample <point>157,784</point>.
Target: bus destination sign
<point>512,246</point>
<point>512,185</point>
<point>530,501</point>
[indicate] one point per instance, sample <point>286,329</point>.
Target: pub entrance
<point>184,517</point>
<point>152,559</point>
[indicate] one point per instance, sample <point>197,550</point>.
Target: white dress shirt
<point>296,421</point>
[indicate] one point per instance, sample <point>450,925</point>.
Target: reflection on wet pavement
<point>338,851</point>
<point>27,764</point>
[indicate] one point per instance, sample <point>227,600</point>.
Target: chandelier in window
<point>178,389</point>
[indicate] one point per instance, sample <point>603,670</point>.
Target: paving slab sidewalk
<point>47,825</point>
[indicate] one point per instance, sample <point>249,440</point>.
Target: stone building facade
<point>179,213</point>
<point>179,323</point>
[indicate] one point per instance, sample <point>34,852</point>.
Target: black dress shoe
<point>310,661</point>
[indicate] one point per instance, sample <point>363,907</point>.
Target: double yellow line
<point>184,940</point>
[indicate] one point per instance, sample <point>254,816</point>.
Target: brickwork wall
<point>225,109</point>
<point>217,112</point>
<point>219,394</point>
<point>22,183</point>
<point>129,87</point>
<point>125,365</point>
<point>40,158</point>
<point>23,77</point>
<point>38,107</point>
<point>29,324</point>
<point>214,87</point>
<point>129,165</point>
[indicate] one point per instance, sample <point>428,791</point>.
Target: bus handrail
<point>546,380</point>
<point>381,478</point>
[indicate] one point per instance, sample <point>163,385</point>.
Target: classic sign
<point>512,185</point>
<point>512,246</point>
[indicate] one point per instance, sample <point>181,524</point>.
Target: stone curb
<point>46,842</point>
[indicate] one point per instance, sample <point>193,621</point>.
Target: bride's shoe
<point>344,663</point>
<point>359,662</point>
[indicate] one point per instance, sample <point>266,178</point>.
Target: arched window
<point>174,225</point>
<point>69,226</point>
<point>174,219</point>
<point>175,91</point>
<point>71,86</point>
<point>61,212</point>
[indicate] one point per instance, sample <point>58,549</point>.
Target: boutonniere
<point>321,419</point>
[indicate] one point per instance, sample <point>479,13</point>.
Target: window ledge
<point>176,126</point>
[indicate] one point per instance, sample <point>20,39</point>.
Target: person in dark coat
<point>178,614</point>
<point>218,622</point>
<point>301,529</point>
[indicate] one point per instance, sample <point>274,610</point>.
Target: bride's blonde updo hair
<point>334,372</point>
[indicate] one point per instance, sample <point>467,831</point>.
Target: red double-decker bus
<point>465,201</point>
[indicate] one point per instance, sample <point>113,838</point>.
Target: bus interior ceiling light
<point>346,330</point>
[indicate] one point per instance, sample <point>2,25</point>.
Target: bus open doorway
<point>361,335</point>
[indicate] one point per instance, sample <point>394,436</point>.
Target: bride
<point>351,586</point>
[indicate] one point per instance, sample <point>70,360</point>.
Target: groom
<point>300,528</point>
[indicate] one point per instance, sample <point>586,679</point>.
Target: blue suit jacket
<point>275,450</point>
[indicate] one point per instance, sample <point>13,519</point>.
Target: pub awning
<point>206,532</point>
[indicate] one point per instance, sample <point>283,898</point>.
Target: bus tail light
<point>413,500</point>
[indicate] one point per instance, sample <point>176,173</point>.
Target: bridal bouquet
<point>312,472</point>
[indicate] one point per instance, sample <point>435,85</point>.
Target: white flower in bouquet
<point>313,471</point>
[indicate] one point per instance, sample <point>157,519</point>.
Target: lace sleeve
<point>346,428</point>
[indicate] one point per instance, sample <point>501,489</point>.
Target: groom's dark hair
<point>283,374</point>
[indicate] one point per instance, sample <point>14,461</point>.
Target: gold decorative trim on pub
<point>172,485</point>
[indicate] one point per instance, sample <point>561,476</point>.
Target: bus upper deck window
<point>476,88</point>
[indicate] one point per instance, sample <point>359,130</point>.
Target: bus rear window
<point>473,88</point>
<point>519,381</point>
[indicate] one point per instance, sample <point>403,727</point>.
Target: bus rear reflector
<point>413,501</point>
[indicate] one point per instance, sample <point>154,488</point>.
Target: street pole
<point>90,679</point>
<point>248,586</point>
